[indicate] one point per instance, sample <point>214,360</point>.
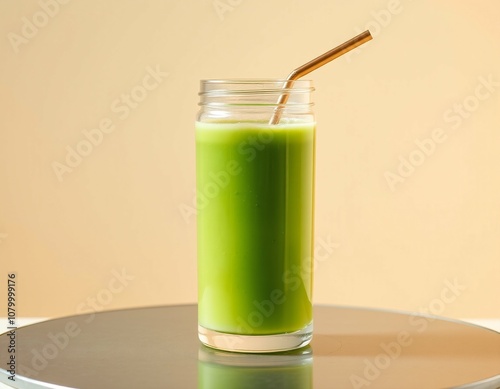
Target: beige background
<point>401,243</point>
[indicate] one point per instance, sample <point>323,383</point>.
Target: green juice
<point>255,199</point>
<point>214,376</point>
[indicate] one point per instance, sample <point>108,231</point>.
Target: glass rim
<point>250,80</point>
<point>252,86</point>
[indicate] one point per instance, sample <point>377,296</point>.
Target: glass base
<point>256,343</point>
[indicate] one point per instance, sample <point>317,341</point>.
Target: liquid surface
<point>255,226</point>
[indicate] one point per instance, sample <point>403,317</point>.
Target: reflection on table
<point>225,370</point>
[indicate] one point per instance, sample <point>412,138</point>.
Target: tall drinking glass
<point>255,200</point>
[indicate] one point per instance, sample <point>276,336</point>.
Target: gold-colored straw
<point>313,65</point>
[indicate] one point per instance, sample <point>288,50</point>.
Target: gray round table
<point>157,347</point>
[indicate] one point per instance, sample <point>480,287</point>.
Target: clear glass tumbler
<point>255,202</point>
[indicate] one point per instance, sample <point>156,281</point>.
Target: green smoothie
<point>215,376</point>
<point>255,199</point>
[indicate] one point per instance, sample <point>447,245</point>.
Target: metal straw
<point>313,65</point>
